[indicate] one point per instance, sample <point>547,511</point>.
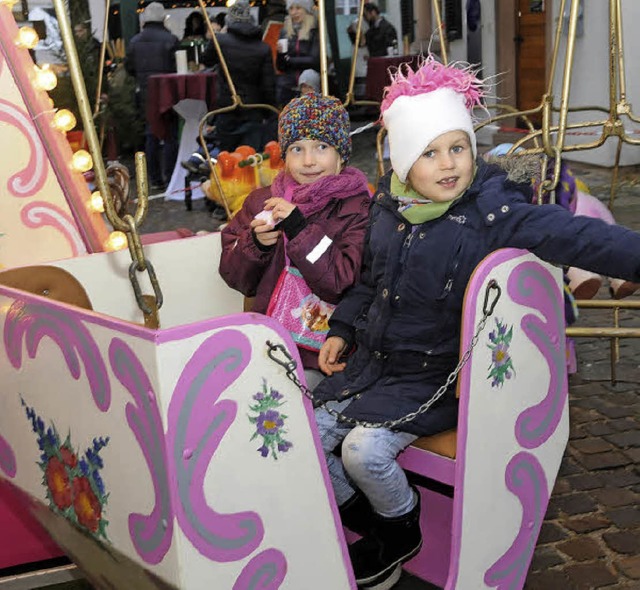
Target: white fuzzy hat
<point>306,4</point>
<point>420,106</point>
<point>413,122</point>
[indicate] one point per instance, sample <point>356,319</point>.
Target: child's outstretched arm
<point>555,235</point>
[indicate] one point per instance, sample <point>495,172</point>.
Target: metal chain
<point>290,366</point>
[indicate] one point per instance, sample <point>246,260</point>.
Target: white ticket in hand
<point>266,216</point>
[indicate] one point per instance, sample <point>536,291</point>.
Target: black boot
<point>377,560</point>
<point>357,515</point>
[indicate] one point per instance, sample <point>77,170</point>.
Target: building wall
<point>590,80</point>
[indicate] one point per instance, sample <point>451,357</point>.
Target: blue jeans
<point>368,460</point>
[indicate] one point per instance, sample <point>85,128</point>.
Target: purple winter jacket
<point>255,272</point>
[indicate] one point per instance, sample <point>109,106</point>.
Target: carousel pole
<point>89,127</point>
<point>322,30</point>
<point>354,56</point>
<point>103,51</point>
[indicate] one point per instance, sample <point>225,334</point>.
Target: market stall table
<point>191,96</point>
<point>378,73</point>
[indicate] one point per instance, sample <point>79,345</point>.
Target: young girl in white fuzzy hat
<point>298,48</point>
<point>434,218</point>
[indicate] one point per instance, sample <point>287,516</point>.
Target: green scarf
<point>414,207</point>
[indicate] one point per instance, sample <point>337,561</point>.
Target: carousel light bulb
<point>64,120</point>
<point>230,3</point>
<point>96,204</point>
<point>46,78</point>
<point>27,36</point>
<point>82,161</point>
<point>117,240</point>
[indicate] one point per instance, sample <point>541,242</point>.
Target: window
<point>452,16</point>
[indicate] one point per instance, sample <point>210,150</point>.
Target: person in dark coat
<point>317,205</point>
<point>152,51</point>
<point>250,65</point>
<point>434,218</point>
<point>381,34</point>
<point>298,48</point>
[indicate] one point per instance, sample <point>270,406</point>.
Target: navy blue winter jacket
<point>404,315</point>
<point>151,51</point>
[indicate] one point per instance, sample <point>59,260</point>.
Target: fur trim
<point>519,168</point>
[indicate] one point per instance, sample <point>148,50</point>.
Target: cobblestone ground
<point>591,535</point>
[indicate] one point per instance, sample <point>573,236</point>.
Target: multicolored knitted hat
<point>318,117</point>
<point>420,106</point>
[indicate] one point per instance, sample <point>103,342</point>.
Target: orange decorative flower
<point>68,457</point>
<point>85,504</point>
<point>58,483</point>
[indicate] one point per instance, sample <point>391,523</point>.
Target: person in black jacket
<point>250,65</point>
<point>298,48</point>
<point>381,34</point>
<point>152,51</point>
<point>435,216</point>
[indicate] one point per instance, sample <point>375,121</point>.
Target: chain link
<point>290,366</point>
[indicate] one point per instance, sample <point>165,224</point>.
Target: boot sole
<point>387,583</point>
<point>398,562</point>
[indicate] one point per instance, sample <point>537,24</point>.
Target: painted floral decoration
<point>501,367</point>
<point>73,483</point>
<point>269,421</point>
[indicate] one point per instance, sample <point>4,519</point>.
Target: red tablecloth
<point>166,90</point>
<point>378,73</point>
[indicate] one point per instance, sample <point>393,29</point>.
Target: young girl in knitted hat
<point>433,219</point>
<point>318,207</point>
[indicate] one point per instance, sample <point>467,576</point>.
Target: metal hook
<point>487,309</point>
<point>289,364</point>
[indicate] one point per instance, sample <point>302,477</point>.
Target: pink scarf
<point>311,198</point>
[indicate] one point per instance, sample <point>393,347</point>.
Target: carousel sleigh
<point>185,456</point>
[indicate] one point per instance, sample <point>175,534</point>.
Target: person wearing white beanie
<point>306,5</point>
<point>394,338</point>
<point>298,48</point>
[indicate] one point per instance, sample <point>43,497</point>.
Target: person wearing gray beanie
<point>154,13</point>
<point>151,52</point>
<point>307,5</point>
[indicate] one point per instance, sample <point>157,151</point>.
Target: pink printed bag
<point>304,315</point>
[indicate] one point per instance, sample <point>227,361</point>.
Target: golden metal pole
<point>441,32</point>
<point>574,332</point>
<point>566,82</point>
<point>322,31</point>
<point>354,55</point>
<point>223,64</point>
<point>103,51</point>
<point>88,124</point>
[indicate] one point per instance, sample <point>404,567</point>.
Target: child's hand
<point>280,208</point>
<point>265,234</point>
<point>330,353</point>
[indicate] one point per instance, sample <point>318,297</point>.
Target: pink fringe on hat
<point>432,75</point>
